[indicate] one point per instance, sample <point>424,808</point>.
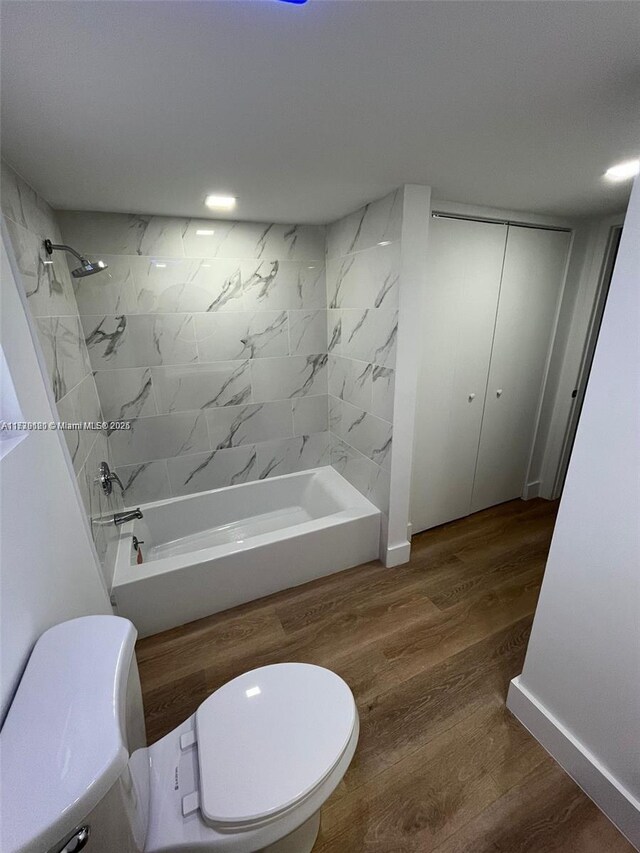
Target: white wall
<point>48,566</point>
<point>416,216</point>
<point>580,689</point>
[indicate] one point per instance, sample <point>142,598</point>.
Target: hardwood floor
<point>428,649</point>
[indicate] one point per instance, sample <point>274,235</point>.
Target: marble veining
<point>144,482</point>
<point>382,392</point>
<point>135,472</point>
<point>221,398</point>
<point>363,289</point>
<point>231,289</point>
<point>334,321</point>
<point>376,222</point>
<point>389,282</point>
<point>234,474</point>
<point>369,335</point>
<point>122,234</point>
<point>346,265</point>
<point>133,408</point>
<point>126,393</point>
<point>64,353</point>
<point>364,474</point>
<point>386,351</point>
<point>351,380</point>
<point>160,437</point>
<point>307,332</point>
<point>139,340</point>
<point>231,426</point>
<point>314,364</point>
<point>255,341</point>
<point>262,280</point>
<point>239,422</point>
<point>22,205</point>
<point>111,339</point>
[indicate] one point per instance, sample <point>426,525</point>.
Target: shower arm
<point>50,247</point>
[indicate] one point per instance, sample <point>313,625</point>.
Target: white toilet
<point>248,771</point>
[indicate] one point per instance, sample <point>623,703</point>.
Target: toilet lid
<point>268,738</point>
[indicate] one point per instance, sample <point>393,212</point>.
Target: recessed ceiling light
<point>384,243</point>
<point>220,202</point>
<point>205,232</point>
<point>623,171</point>
<point>160,266</point>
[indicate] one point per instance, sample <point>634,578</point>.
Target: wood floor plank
<point>418,802</point>
<point>545,813</point>
<point>170,704</point>
<point>461,580</point>
<point>408,716</point>
<point>428,649</point>
<point>161,656</point>
<point>459,627</point>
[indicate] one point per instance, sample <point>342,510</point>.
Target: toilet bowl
<point>284,734</point>
<point>248,772</point>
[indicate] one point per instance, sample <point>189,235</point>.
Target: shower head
<point>86,267</point>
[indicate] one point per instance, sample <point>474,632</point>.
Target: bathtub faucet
<point>122,517</point>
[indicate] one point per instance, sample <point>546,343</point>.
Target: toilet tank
<point>73,747</point>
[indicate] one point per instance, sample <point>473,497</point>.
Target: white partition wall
<point>376,266</point>
<point>579,693</point>
<point>413,270</point>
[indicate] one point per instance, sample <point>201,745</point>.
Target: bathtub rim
<point>128,572</point>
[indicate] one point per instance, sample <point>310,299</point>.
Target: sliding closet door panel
<point>531,286</point>
<point>459,312</point>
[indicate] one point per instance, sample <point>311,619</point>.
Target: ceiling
<point>305,112</point>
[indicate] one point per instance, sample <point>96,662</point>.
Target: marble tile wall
<point>55,317</point>
<point>210,337</point>
<point>363,280</point>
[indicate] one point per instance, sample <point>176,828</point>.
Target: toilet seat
<point>278,732</point>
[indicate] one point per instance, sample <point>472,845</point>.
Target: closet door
<point>459,310</point>
<point>532,278</point>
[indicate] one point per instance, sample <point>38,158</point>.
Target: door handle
<point>471,397</point>
<point>499,392</point>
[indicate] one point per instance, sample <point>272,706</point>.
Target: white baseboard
<point>618,804</point>
<point>397,555</point>
<point>531,490</point>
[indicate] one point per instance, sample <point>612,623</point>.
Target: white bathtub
<point>211,551</point>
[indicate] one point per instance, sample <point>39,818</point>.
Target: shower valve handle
<point>107,478</point>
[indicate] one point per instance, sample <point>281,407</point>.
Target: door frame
<point>610,234</point>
